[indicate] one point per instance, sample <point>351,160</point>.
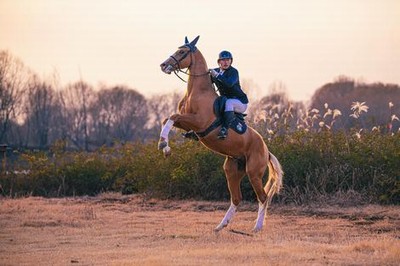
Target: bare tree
<point>119,114</point>
<point>40,103</point>
<point>75,100</point>
<point>14,77</point>
<point>160,108</point>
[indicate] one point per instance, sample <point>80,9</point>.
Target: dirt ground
<point>129,230</point>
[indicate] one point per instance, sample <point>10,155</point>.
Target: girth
<point>217,122</point>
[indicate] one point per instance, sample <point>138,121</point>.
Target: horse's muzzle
<point>166,68</point>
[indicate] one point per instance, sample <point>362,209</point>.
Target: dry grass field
<point>128,230</point>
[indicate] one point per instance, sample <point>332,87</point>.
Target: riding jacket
<point>228,84</point>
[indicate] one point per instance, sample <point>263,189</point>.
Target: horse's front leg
<point>175,120</point>
<point>163,141</point>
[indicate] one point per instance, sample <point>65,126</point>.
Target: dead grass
<point>128,230</point>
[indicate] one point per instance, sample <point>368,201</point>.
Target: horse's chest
<point>188,109</point>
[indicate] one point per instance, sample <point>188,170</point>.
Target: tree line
<point>34,113</point>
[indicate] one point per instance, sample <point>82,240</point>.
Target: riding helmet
<point>225,55</point>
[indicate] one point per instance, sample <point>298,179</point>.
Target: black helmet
<point>225,55</point>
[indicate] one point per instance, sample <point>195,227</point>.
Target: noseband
<point>178,61</point>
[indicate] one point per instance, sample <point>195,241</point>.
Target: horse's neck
<point>199,81</point>
<point>200,94</point>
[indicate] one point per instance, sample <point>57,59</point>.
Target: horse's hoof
<point>162,145</point>
<point>257,230</point>
<point>220,227</point>
<point>217,229</point>
<point>167,151</point>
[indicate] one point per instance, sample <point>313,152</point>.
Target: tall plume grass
<point>321,157</point>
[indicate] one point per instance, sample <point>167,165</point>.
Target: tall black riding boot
<point>228,118</point>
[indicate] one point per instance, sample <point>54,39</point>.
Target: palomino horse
<point>245,153</point>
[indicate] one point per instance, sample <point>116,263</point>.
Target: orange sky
<point>303,44</point>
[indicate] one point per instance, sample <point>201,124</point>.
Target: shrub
<point>315,163</point>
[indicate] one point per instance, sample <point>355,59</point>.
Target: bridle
<point>178,69</point>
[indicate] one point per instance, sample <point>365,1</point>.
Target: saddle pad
<point>238,125</point>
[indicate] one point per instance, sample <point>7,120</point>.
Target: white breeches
<point>235,105</point>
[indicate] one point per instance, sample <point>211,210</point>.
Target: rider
<point>226,78</point>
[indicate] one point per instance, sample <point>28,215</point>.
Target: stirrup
<point>222,133</point>
<point>190,135</point>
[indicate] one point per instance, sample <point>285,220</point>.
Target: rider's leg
<point>231,106</point>
<point>228,118</point>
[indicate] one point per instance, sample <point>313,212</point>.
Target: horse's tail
<point>275,177</point>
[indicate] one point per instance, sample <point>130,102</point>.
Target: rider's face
<point>224,63</point>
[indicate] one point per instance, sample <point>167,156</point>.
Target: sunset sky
<point>303,44</point>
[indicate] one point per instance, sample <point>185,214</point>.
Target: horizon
<point>301,46</point>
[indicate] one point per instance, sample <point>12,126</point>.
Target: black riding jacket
<point>228,84</point>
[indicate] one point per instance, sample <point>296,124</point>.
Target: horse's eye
<point>181,52</point>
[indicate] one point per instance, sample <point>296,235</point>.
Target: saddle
<point>238,125</point>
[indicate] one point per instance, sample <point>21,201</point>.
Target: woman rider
<point>226,78</point>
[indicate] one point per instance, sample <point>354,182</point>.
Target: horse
<point>244,153</point>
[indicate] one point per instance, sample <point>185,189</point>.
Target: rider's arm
<point>229,78</point>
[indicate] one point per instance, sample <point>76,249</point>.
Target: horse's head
<point>180,58</point>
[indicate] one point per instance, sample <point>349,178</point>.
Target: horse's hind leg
<point>256,166</point>
<point>234,176</point>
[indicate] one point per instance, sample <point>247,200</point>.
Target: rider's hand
<point>213,73</point>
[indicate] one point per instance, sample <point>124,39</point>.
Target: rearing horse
<point>196,113</point>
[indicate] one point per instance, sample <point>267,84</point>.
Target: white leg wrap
<point>260,217</point>
<point>166,129</point>
<point>227,218</point>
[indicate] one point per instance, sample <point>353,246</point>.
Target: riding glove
<point>213,73</point>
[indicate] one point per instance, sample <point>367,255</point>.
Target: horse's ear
<point>193,43</point>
